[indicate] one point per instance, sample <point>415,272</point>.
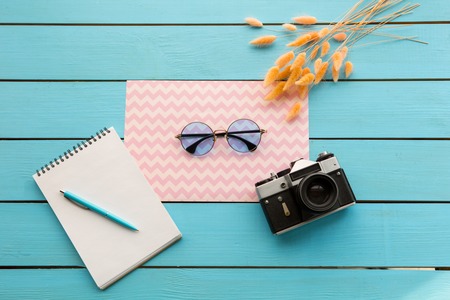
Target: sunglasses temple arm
<point>247,131</point>
<point>250,145</point>
<point>191,149</point>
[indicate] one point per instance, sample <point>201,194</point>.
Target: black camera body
<point>305,192</point>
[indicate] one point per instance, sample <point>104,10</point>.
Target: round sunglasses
<point>242,135</point>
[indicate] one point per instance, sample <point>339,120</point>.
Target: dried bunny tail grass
<point>321,73</point>
<point>271,76</point>
<point>306,71</point>
<point>276,92</point>
<point>335,74</point>
<point>306,80</point>
<point>284,59</point>
<point>317,65</point>
<point>300,41</point>
<point>299,61</point>
<point>295,74</point>
<point>323,32</point>
<point>294,111</point>
<point>284,73</point>
<point>340,37</point>
<point>264,40</point>
<point>325,49</point>
<point>290,27</point>
<point>314,35</point>
<point>344,52</point>
<point>303,91</point>
<point>305,20</point>
<point>337,60</point>
<point>254,22</point>
<point>314,51</point>
<point>348,69</point>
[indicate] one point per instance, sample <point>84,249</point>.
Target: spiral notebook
<point>102,171</point>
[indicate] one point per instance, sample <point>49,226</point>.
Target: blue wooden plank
<point>410,170</point>
<point>194,11</point>
<point>229,284</point>
<point>60,109</point>
<point>194,52</point>
<point>377,169</point>
<point>24,158</point>
<point>378,109</point>
<point>237,235</point>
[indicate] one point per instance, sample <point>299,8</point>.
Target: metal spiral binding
<point>75,149</point>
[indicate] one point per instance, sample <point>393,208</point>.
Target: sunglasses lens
<point>244,135</point>
<point>197,138</point>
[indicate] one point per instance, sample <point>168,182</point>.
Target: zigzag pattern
<point>158,110</point>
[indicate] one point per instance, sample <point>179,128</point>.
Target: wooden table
<point>63,70</point>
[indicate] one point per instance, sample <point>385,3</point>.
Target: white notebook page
<point>105,174</point>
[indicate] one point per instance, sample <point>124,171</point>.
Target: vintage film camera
<point>305,192</point>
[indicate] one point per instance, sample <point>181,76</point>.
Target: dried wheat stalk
<point>358,22</point>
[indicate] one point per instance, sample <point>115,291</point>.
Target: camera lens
<point>318,192</point>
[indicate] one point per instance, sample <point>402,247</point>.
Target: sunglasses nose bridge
<point>219,133</point>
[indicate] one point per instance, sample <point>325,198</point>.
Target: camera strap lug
<point>287,213</point>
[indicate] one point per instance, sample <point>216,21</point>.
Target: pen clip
<point>77,204</point>
<point>74,202</point>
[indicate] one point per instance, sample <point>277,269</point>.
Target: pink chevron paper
<point>156,111</point>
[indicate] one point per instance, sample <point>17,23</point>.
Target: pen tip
<point>61,191</point>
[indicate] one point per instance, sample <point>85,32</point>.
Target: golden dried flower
<point>294,111</point>
<point>344,52</point>
<point>284,59</point>
<point>284,73</point>
<point>314,51</point>
<point>321,73</point>
<point>306,71</point>
<point>264,40</point>
<point>348,69</point>
<point>271,76</point>
<point>337,60</point>
<point>276,92</point>
<point>253,22</point>
<point>290,27</point>
<point>317,65</point>
<point>340,37</point>
<point>295,74</point>
<point>306,80</point>
<point>323,32</point>
<point>303,91</point>
<point>305,20</point>
<point>299,61</point>
<point>300,41</point>
<point>325,49</point>
<point>335,74</point>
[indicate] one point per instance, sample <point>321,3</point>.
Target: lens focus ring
<point>318,192</point>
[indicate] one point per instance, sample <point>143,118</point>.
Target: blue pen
<point>88,205</point>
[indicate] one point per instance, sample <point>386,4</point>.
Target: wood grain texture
<point>386,170</point>
<point>190,12</point>
<point>380,110</point>
<point>227,251</point>
<point>343,110</point>
<point>229,284</point>
<point>237,235</point>
<point>61,109</point>
<point>194,52</point>
<point>392,170</point>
